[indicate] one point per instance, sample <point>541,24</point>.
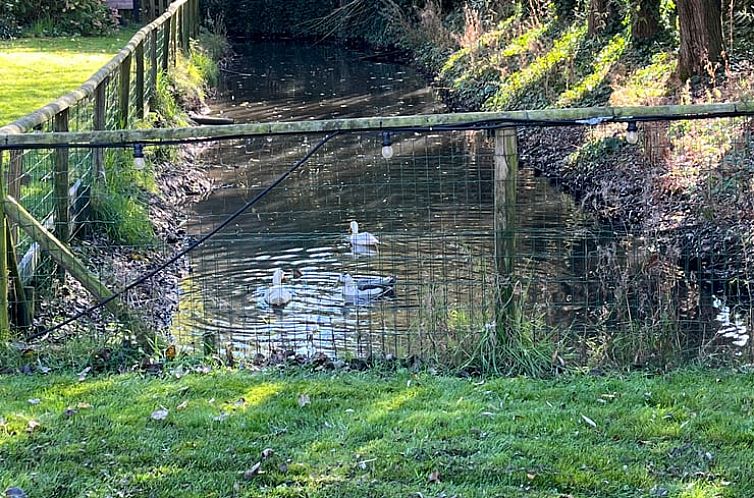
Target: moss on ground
<point>687,434</point>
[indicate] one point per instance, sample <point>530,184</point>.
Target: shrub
<point>64,17</point>
<point>9,27</point>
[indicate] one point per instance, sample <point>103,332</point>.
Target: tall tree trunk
<point>602,16</point>
<point>701,37</point>
<point>595,19</point>
<point>646,22</point>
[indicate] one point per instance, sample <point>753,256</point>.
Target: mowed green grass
<point>37,71</point>
<point>688,434</point>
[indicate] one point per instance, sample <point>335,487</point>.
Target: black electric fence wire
<point>478,125</point>
<point>204,238</point>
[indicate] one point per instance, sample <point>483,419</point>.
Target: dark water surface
<point>431,206</point>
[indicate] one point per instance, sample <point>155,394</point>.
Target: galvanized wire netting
<point>618,251</point>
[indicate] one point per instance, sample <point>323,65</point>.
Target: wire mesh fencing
<point>57,187</point>
<point>589,248</point>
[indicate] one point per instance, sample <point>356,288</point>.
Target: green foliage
<point>167,112</point>
<point>683,435</point>
<point>205,64</point>
<point>119,202</point>
<point>62,17</point>
<point>9,27</point>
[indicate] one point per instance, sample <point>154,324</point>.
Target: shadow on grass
<point>363,434</point>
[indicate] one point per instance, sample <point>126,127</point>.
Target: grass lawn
<point>688,434</point>
<point>36,71</point>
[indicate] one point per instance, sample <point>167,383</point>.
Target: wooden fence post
<point>4,274</point>
<point>100,123</point>
<point>152,69</point>
<point>15,175</point>
<point>23,314</point>
<point>173,39</point>
<point>195,18</point>
<point>184,27</point>
<point>166,45</point>
<point>125,89</point>
<point>507,306</point>
<point>139,54</point>
<point>60,191</point>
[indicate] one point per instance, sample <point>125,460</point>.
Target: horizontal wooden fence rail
<point>548,117</point>
<point>54,186</point>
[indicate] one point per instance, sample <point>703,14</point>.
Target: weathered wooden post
<point>507,305</point>
<point>152,69</point>
<point>13,187</point>
<point>4,319</point>
<point>125,90</point>
<point>184,27</point>
<point>139,54</point>
<point>100,123</point>
<point>165,45</point>
<point>173,39</point>
<point>197,17</point>
<point>61,180</point>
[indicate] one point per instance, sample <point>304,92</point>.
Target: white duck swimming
<point>362,239</point>
<point>352,294</point>
<point>277,295</point>
<point>370,282</point>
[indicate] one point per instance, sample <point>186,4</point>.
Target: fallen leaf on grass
<point>531,476</point>
<point>83,406</point>
<point>252,472</point>
<point>32,426</point>
<point>82,374</point>
<point>589,421</point>
<point>304,400</point>
<point>221,417</point>
<point>434,477</point>
<point>35,401</point>
<point>160,414</point>
<point>182,406</point>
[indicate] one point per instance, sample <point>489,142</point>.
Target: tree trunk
<point>596,17</point>
<point>701,37</point>
<point>646,21</point>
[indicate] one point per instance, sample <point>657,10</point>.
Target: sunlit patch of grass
<point>647,85</point>
<point>37,71</point>
<point>684,434</point>
<point>518,82</point>
<point>604,61</point>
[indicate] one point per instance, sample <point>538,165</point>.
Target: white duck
<point>352,294</point>
<point>370,282</point>
<point>362,239</point>
<point>277,295</point>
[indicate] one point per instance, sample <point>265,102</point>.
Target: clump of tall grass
<point>120,200</point>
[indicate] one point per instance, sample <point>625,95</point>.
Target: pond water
<point>430,205</point>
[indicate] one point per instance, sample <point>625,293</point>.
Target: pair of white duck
<point>355,291</point>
